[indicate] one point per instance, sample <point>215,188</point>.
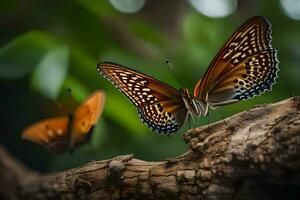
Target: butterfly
<point>246,66</point>
<point>60,134</point>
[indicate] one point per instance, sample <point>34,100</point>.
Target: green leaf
<point>21,55</point>
<point>51,72</point>
<point>147,32</point>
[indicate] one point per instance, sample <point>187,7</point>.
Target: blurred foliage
<point>49,46</point>
<point>39,45</point>
<point>50,72</point>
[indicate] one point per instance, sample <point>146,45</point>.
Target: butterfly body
<point>193,105</point>
<point>246,66</point>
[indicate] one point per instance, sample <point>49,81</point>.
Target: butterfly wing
<point>52,133</point>
<point>86,116</point>
<point>246,66</point>
<point>159,105</point>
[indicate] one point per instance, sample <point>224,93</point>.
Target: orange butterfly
<point>246,66</point>
<point>64,133</point>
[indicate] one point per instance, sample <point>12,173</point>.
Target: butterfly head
<point>184,92</point>
<point>193,105</point>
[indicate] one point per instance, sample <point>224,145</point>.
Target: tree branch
<point>244,157</point>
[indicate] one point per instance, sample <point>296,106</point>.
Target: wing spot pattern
<point>242,42</point>
<point>253,61</point>
<point>161,122</point>
<point>59,131</point>
<point>151,112</point>
<point>261,72</point>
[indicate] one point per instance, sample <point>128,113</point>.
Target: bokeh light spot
<point>215,8</point>
<point>127,6</point>
<point>291,8</point>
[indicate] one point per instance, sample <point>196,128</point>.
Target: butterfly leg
<point>194,122</point>
<point>168,62</point>
<point>189,119</point>
<point>190,116</point>
<point>223,119</point>
<point>207,121</point>
<point>206,113</point>
<point>295,102</point>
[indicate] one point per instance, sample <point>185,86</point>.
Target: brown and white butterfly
<point>246,66</point>
<point>64,133</point>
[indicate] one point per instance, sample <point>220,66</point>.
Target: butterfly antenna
<point>168,62</point>
<point>69,91</point>
<point>58,105</point>
<point>70,98</point>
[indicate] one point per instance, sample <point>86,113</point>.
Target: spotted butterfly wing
<point>159,105</point>
<point>51,133</point>
<point>86,116</point>
<point>64,133</point>
<point>246,66</point>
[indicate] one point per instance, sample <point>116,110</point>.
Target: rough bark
<point>252,155</point>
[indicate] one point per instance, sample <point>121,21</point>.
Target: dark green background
<point>49,46</point>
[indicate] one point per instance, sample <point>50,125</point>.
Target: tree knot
<point>185,175</point>
<point>115,172</point>
<point>82,186</point>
